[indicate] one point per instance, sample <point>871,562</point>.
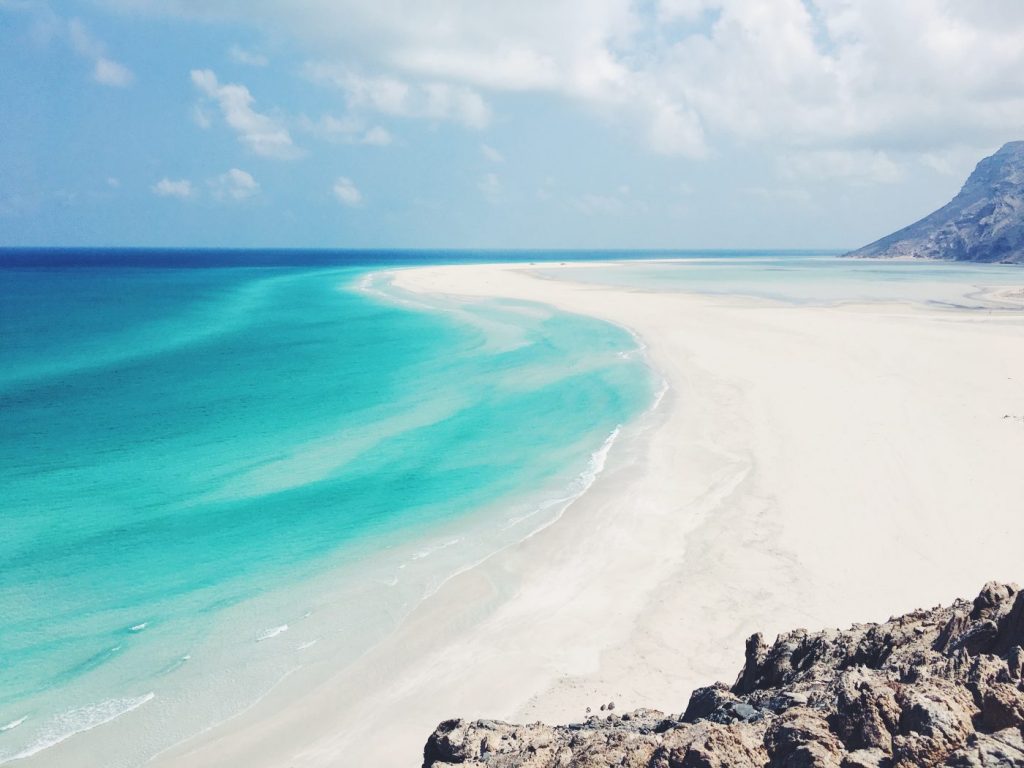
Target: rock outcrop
<point>939,687</point>
<point>984,222</point>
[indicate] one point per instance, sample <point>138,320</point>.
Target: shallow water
<point>211,475</point>
<point>808,278</point>
<point>217,469</point>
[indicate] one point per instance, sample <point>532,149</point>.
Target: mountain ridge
<point>984,223</point>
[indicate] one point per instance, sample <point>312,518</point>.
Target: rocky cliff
<point>935,687</point>
<point>985,222</point>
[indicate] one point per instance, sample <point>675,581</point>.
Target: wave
<point>659,396</point>
<point>427,552</point>
<point>139,627</point>
<point>13,724</point>
<point>175,665</point>
<point>272,632</point>
<point>577,488</point>
<point>67,724</point>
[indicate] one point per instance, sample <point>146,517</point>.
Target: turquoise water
<point>807,278</point>
<point>207,473</point>
<point>215,469</point>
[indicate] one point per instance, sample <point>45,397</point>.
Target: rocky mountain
<point>984,222</point>
<point>938,687</point>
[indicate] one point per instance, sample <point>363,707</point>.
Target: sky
<point>496,124</point>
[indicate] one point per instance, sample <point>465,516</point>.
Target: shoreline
<point>650,581</point>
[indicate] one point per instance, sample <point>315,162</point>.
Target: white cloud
<point>492,154</point>
<point>546,190</point>
<point>609,204</point>
<point>105,70</point>
<point>201,117</point>
<point>955,161</point>
<point>82,42</point>
<point>181,189</point>
<point>236,184</point>
<point>347,192</point>
<point>784,195</point>
<point>377,136</point>
<point>904,78</point>
<point>249,58</point>
<point>599,205</point>
<point>392,96</point>
<point>113,182</point>
<point>261,134</point>
<point>490,185</point>
<point>344,130</point>
<point>109,72</point>
<point>858,166</point>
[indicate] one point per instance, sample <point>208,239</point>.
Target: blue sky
<point>450,123</point>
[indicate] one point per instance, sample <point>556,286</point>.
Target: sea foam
<point>67,724</point>
<point>272,632</point>
<point>13,724</point>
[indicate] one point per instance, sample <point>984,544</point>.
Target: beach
<point>805,466</point>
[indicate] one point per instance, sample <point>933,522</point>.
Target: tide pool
<point>212,475</point>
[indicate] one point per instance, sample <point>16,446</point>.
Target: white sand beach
<point>808,466</point>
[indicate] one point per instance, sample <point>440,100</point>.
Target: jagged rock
<point>998,750</point>
<point>934,687</point>
<point>801,738</point>
<point>867,714</point>
<point>935,722</point>
<point>1002,706</point>
<point>984,222</point>
<point>709,745</point>
<point>867,758</point>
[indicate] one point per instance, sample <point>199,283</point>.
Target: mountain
<point>936,687</point>
<point>983,223</point>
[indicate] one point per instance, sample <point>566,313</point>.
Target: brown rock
<point>711,745</point>
<point>1004,749</point>
<point>1002,706</point>
<point>867,758</point>
<point>867,714</point>
<point>934,687</point>
<point>801,738</point>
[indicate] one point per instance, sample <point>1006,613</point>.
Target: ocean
<point>217,467</point>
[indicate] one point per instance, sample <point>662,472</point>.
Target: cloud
<point>492,154</point>
<point>105,70</point>
<point>109,72</point>
<point>347,192</point>
<point>261,134</point>
<point>857,166</point>
<point>832,74</point>
<point>181,189</point>
<point>250,58</point>
<point>344,130</point>
<point>785,195</point>
<point>490,185</point>
<point>377,137</point>
<point>236,184</point>
<point>599,205</point>
<point>613,204</point>
<point>399,98</point>
<point>546,190</point>
<point>686,77</point>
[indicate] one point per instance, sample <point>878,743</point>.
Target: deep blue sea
<point>216,462</point>
<point>215,465</point>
